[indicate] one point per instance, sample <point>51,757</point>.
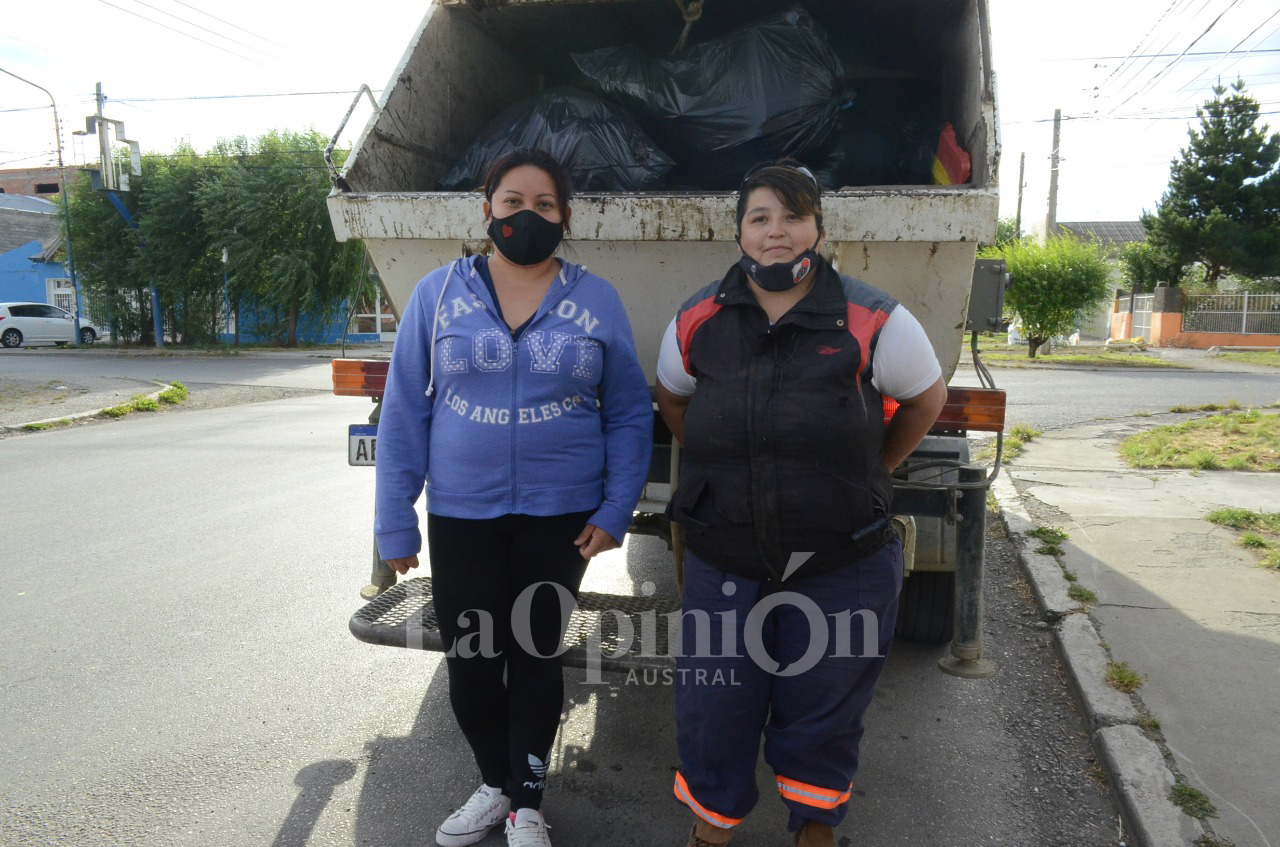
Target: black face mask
<point>781,275</point>
<point>525,238</point>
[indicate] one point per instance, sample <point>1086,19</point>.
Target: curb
<point>22,427</point>
<point>1138,773</point>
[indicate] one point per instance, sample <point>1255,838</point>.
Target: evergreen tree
<point>1222,207</point>
<point>1143,267</point>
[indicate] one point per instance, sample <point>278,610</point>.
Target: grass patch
<point>1148,723</point>
<point>1252,540</point>
<point>1121,677</point>
<point>1246,440</point>
<point>1050,539</point>
<point>1192,801</point>
<point>1229,406</point>
<point>43,425</point>
<point>1207,840</point>
<point>1259,531</point>
<point>1142,413</point>
<point>1246,519</point>
<point>1080,594</point>
<point>173,395</point>
<point>1070,576</point>
<point>1083,357</point>
<point>1018,437</point>
<point>1259,357</point>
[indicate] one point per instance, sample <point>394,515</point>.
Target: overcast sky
<point>1127,74</point>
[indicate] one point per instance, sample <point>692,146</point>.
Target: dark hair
<point>540,159</point>
<point>794,185</point>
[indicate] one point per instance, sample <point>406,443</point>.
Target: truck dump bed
<point>469,60</point>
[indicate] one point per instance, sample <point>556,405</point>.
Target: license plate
<point>362,444</point>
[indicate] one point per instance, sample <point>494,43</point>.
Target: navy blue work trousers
<point>797,662</point>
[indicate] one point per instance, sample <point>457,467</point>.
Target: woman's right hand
<point>402,566</point>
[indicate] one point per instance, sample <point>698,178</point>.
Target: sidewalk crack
<point>1133,606</point>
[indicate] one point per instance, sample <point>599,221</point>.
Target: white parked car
<point>40,323</point>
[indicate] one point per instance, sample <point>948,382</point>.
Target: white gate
<point>1142,315</point>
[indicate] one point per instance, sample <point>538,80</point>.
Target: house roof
<point>49,249</point>
<point>1107,233</point>
<point>24,203</point>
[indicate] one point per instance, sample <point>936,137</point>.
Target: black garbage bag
<point>771,89</point>
<point>600,144</point>
<point>881,138</point>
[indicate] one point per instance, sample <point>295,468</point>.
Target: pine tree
<point>1222,207</point>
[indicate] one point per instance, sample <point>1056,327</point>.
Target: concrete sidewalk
<point>1179,602</point>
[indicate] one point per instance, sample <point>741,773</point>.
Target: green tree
<point>1052,282</point>
<point>267,207</point>
<point>185,264</point>
<point>1143,267</point>
<point>1007,230</point>
<point>109,261</point>
<point>1222,207</point>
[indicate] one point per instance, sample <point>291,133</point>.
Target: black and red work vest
<point>783,434</point>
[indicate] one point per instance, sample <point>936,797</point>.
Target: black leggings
<point>479,569</point>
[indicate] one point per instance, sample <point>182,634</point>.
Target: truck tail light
<point>359,377</point>
<point>980,409</point>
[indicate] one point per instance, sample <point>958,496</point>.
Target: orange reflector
<point>979,409</point>
<point>359,377</point>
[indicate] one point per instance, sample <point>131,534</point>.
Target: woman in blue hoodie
<point>516,397</point>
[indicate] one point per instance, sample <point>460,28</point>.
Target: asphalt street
<point>177,670</point>
<point>176,666</point>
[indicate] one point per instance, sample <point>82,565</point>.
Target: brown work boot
<point>704,834</point>
<point>814,834</point>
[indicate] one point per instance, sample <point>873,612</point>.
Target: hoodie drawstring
<point>435,326</point>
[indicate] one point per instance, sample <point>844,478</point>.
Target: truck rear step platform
<point>404,616</point>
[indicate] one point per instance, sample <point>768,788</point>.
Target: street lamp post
<point>62,192</point>
<point>226,293</point>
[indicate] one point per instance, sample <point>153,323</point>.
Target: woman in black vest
<point>773,380</point>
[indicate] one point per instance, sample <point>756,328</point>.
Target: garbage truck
<point>902,221</point>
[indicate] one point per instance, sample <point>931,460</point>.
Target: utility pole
<point>110,185</point>
<point>104,146</point>
<point>1022,181</point>
<point>62,192</point>
<point>1051,220</point>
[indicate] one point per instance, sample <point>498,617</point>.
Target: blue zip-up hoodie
<point>559,421</point>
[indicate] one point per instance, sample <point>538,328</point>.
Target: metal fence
<point>1249,314</point>
<point>1142,315</point>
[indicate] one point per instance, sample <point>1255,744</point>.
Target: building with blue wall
<point>29,239</point>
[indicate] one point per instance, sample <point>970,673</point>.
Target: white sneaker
<point>526,828</point>
<point>486,808</point>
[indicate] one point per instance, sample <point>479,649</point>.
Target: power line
<point>1135,78</point>
<point>1141,42</point>
<point>181,19</point>
<point>1199,54</point>
<point>242,29</point>
<point>187,35</point>
<point>197,97</point>
<point>1160,50</point>
<point>226,96</point>
<point>1129,117</point>
<point>28,158</point>
<point>1242,58</point>
<point>1169,66</point>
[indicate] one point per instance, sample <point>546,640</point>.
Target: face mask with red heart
<point>525,238</point>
